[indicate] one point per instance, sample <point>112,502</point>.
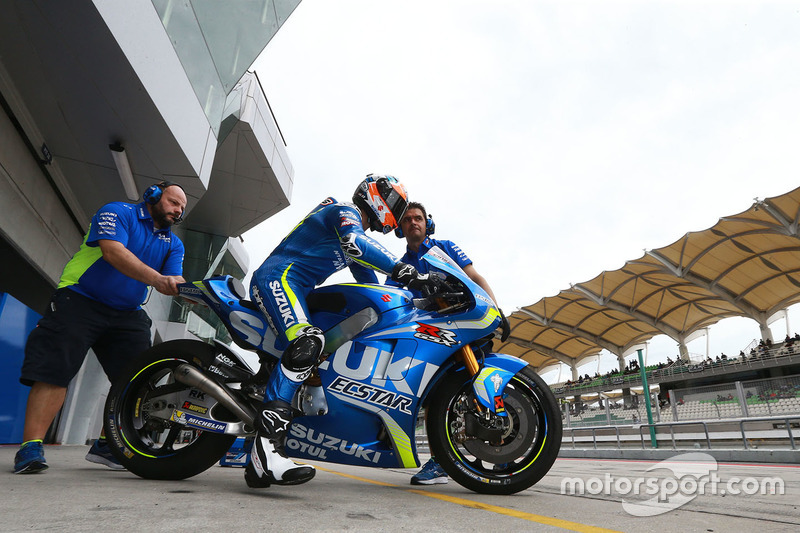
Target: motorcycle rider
<point>329,238</point>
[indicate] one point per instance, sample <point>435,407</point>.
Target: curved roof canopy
<point>746,265</point>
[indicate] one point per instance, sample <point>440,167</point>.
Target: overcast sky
<point>550,140</point>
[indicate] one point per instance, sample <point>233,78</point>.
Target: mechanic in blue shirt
<point>416,226</point>
<point>97,305</point>
<point>331,237</point>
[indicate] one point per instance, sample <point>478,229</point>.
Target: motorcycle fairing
<point>383,374</point>
<point>247,325</point>
<point>373,389</point>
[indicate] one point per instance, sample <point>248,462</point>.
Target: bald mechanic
<point>97,305</point>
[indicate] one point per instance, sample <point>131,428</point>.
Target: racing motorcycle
<point>492,423</point>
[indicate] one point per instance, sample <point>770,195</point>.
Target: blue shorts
<point>73,324</point>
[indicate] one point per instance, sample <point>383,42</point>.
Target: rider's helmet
<point>383,199</point>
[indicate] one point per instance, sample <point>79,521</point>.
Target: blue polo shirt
<point>130,224</point>
<point>449,247</point>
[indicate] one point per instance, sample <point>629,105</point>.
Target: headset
<point>430,228</point>
<point>153,195</point>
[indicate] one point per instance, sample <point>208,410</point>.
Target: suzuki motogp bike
<point>492,423</point>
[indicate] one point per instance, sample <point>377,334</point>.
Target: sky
<point>550,140</point>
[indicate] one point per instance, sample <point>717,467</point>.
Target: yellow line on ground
<point>355,477</point>
<point>547,520</point>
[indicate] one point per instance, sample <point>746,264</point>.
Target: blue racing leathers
<point>327,240</point>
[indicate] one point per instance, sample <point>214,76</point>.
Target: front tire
<point>530,442</point>
<point>139,411</point>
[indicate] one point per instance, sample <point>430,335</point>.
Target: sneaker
<point>101,454</point>
<point>430,474</point>
<point>30,458</point>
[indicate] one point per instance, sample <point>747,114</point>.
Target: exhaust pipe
<point>189,375</point>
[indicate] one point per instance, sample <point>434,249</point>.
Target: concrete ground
<point>74,495</point>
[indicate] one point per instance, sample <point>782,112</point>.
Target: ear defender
<point>152,195</point>
<point>430,226</point>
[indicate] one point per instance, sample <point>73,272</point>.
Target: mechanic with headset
<point>97,305</point>
<point>329,238</point>
<point>417,226</point>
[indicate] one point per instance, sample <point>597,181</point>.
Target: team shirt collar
<point>424,246</point>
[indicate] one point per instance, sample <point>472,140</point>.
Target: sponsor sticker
<point>374,395</point>
<point>189,406</point>
<point>429,332</point>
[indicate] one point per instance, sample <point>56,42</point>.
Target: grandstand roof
<point>745,265</point>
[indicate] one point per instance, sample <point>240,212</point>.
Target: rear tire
<point>139,408</point>
<point>530,444</point>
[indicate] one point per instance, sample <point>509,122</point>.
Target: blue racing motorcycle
<point>492,423</point>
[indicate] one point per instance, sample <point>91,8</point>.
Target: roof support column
<point>766,333</point>
<point>683,351</point>
<point>621,361</point>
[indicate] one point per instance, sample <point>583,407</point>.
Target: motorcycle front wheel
<point>529,444</point>
<point>142,417</point>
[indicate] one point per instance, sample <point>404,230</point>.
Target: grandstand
<point>726,399</point>
<point>746,265</point>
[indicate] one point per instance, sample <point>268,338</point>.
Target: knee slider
<point>304,351</point>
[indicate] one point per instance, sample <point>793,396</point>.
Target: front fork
<point>468,358</point>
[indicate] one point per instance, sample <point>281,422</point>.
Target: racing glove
<point>410,277</point>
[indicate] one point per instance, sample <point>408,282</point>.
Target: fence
<point>740,399</point>
<point>778,432</point>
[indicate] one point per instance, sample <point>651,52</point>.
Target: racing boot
<point>268,460</point>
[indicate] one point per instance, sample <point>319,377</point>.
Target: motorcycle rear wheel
<point>530,443</point>
<point>137,421</point>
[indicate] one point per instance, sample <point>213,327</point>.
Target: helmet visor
<point>394,198</point>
